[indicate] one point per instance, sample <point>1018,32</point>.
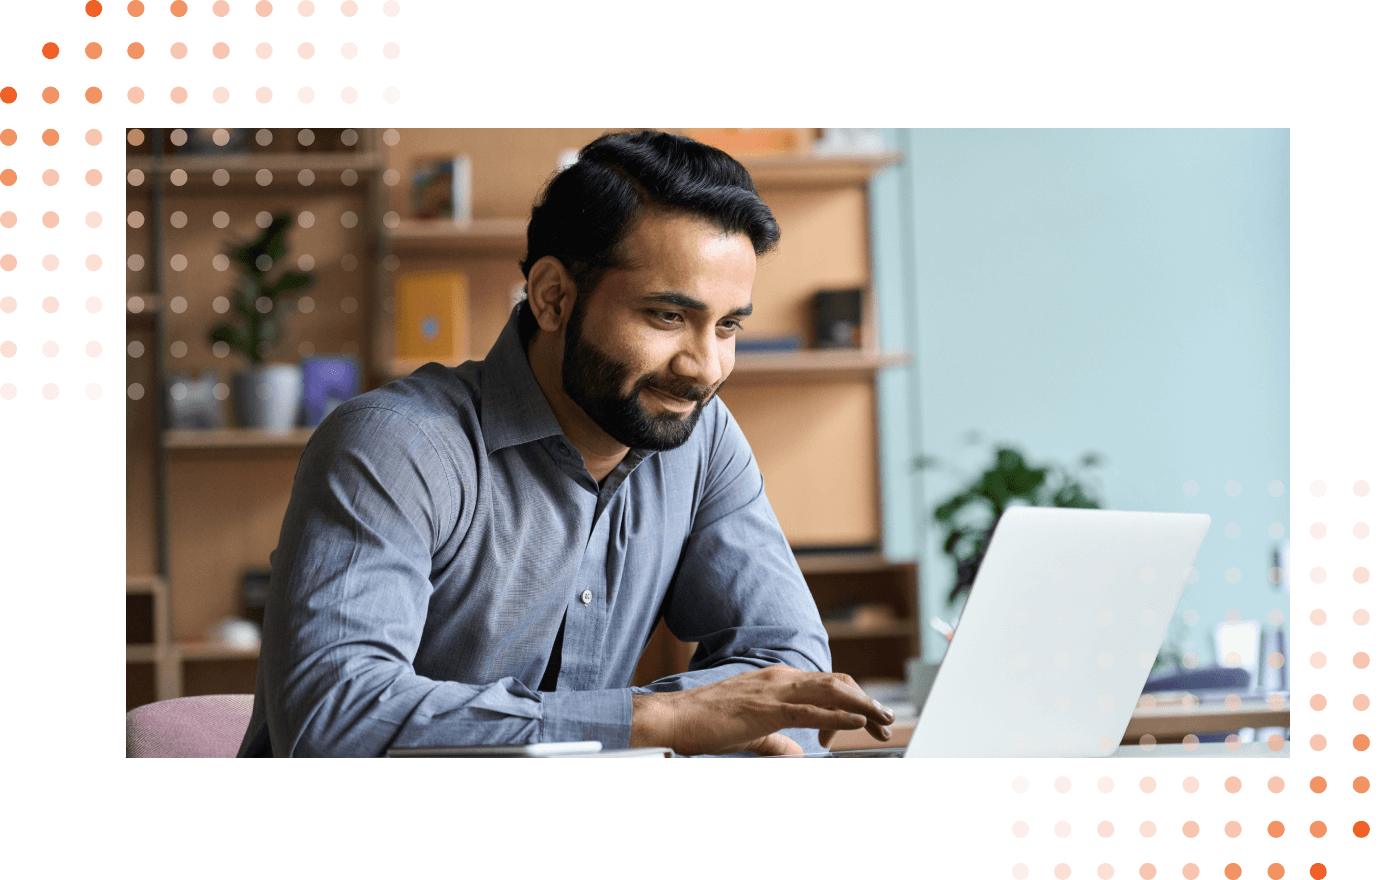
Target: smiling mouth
<point>673,402</point>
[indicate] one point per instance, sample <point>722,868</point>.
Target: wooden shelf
<point>840,363</point>
<point>838,169</point>
<point>397,368</point>
<point>249,163</point>
<point>508,234</point>
<point>146,317</point>
<point>214,651</point>
<point>502,235</point>
<point>189,650</point>
<point>141,653</point>
<point>151,585</point>
<point>783,170</point>
<point>831,563</point>
<point>237,438</point>
<point>895,629</point>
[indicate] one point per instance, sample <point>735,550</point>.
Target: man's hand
<point>743,713</point>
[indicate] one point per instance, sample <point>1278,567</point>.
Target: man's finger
<point>831,692</point>
<point>819,718</point>
<point>775,744</point>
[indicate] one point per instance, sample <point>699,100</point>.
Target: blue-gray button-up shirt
<point>441,528</point>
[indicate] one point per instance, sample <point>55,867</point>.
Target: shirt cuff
<point>577,716</point>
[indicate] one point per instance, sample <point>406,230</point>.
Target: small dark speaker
<point>837,318</point>
<point>254,594</point>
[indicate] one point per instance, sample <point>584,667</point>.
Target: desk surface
<point>1172,717</point>
<point>1168,719</point>
<point>1207,750</point>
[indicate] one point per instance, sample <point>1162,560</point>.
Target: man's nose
<point>698,361</point>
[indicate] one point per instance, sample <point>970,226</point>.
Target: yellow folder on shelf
<point>755,141</point>
<point>432,317</point>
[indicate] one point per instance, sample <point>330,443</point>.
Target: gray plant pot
<point>267,396</point>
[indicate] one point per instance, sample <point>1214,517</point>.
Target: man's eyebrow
<point>685,301</point>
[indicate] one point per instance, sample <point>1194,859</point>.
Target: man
<point>478,554</point>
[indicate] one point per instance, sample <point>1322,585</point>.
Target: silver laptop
<point>1057,638</point>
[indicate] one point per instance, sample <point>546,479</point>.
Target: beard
<point>594,380</point>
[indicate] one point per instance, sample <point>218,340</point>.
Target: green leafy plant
<point>971,514</point>
<point>258,303</point>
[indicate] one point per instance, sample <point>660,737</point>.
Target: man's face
<point>647,348</point>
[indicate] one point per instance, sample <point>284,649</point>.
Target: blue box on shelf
<point>328,380</point>
<point>769,344</point>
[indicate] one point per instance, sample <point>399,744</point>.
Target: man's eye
<point>731,325</point>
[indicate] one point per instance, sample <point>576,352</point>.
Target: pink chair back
<point>188,727</point>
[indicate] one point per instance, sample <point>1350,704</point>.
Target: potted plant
<point>265,395</point>
<point>971,514</point>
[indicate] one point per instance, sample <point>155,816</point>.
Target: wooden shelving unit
<point>876,649</point>
<point>152,181</point>
<point>168,659</point>
<point>225,490</point>
<point>159,650</point>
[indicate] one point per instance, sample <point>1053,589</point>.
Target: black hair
<point>586,211</point>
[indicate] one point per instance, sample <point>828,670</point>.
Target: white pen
<point>942,627</point>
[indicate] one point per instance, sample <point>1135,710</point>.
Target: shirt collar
<point>514,409</point>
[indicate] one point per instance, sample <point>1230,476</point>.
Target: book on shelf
<point>443,189</point>
<point>431,312</point>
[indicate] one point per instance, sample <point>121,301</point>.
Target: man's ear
<point>550,291</point>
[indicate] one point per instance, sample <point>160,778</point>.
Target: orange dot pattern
<point>1330,641</point>
<point>1239,814</point>
<point>48,203</point>
<point>86,86</point>
<point>236,90</point>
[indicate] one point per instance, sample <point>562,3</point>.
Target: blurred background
<point>1109,307</point>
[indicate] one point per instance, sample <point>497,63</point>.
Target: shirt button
<point>586,596</point>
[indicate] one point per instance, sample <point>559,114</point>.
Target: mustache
<point>694,393</point>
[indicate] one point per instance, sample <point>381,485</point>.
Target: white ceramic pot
<point>268,396</point>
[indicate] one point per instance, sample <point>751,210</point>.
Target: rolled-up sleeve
<point>739,593</point>
<point>372,501</point>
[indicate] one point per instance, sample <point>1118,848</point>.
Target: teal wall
<point>1123,291</point>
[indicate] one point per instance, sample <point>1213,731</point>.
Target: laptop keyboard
<point>893,752</point>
